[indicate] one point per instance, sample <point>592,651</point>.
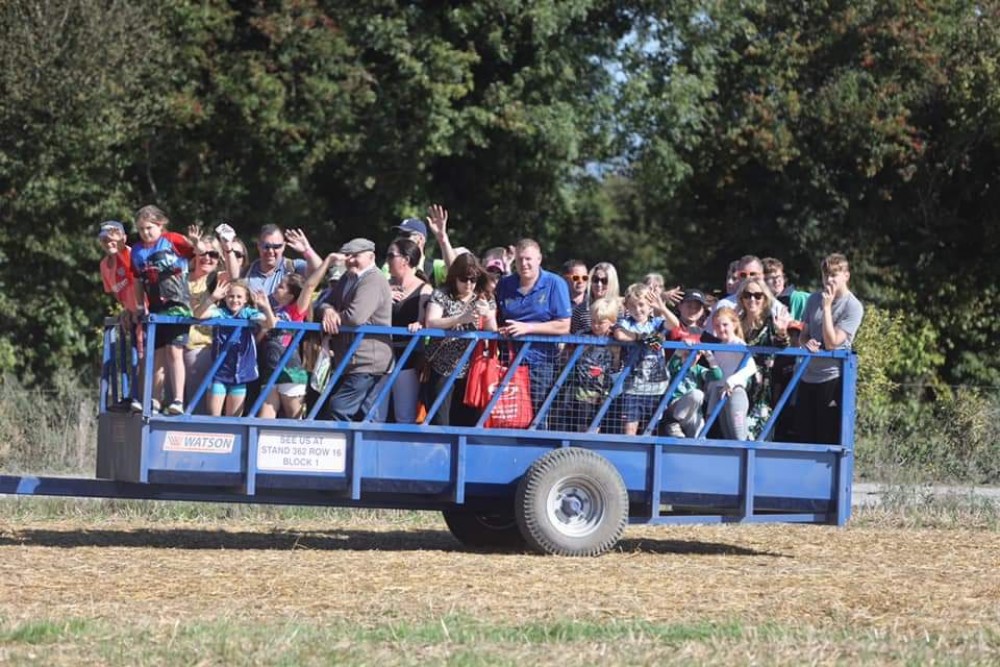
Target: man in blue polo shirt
<point>534,302</point>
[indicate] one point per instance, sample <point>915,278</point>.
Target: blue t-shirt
<point>162,267</point>
<point>240,365</point>
<point>547,300</point>
<point>649,375</point>
<point>262,282</point>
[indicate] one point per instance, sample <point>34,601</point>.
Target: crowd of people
<point>210,275</point>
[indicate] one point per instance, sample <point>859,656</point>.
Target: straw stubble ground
<point>376,593</point>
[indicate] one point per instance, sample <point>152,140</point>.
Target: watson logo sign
<point>205,443</point>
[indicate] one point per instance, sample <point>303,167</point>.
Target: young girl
<point>160,266</point>
<point>733,420</point>
<point>294,299</point>
<point>649,379</point>
<point>229,386</point>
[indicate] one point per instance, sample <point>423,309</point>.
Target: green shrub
<point>51,428</point>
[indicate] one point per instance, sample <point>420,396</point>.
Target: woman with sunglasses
<point>456,306</point>
<point>762,328</point>
<point>204,277</point>
<point>410,293</point>
<point>603,282</point>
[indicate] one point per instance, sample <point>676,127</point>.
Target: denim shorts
<point>639,407</point>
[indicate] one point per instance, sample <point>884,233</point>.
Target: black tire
<point>484,530</point>
<point>572,502</point>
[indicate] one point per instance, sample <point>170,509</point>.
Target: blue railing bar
<point>570,365</point>
<point>398,365</point>
<point>504,381</point>
<point>489,335</point>
<point>334,375</point>
<point>273,379</point>
<point>800,368</point>
<point>722,399</point>
<point>674,383</point>
<point>210,375</point>
<point>616,389</point>
<point>109,371</point>
<point>450,382</point>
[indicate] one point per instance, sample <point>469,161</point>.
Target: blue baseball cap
<point>413,226</point>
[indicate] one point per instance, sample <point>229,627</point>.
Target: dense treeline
<point>664,136</point>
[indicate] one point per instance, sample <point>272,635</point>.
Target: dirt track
<point>907,581</point>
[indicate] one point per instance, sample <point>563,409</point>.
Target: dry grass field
<point>122,586</point>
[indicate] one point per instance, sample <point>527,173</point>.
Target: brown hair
<point>465,265</point>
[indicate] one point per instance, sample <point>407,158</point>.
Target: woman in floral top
<point>456,306</point>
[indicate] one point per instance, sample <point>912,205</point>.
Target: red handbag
<point>483,375</point>
<point>513,409</point>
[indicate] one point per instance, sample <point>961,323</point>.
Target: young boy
<point>116,275</point>
<point>830,322</point>
<point>591,379</point>
<point>160,266</point>
<point>649,379</point>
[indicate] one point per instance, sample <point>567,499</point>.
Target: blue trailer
<point>553,487</point>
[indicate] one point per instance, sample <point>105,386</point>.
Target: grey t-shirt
<point>847,313</point>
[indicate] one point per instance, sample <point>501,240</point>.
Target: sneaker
<point>136,405</point>
<point>175,408</point>
<point>674,430</point>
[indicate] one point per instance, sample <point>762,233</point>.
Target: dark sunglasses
<point>745,274</point>
<point>239,255</point>
<point>211,254</point>
<point>600,281</point>
<point>466,280</point>
<point>272,246</point>
<point>578,279</point>
<point>756,296</point>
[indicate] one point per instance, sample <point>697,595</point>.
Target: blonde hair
<point>728,313</point>
<point>604,309</point>
<point>609,271</point>
<point>636,291</point>
<point>768,302</point>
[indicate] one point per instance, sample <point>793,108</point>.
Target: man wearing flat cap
<point>361,296</point>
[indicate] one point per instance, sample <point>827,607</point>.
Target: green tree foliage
<point>662,136</point>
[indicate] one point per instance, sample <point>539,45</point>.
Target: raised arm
<point>297,241</point>
<point>227,236</point>
<point>314,279</point>
<point>437,220</point>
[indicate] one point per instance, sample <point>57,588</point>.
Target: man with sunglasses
<point>267,272</point>
<point>749,266</point>
<point>577,279</point>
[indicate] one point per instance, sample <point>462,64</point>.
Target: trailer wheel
<point>572,502</point>
<point>484,529</point>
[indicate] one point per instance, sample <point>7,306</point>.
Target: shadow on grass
<point>333,540</point>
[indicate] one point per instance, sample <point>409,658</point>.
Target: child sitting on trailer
<point>229,385</point>
<point>590,382</point>
<point>684,416</point>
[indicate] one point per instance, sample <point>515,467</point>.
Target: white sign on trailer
<point>301,451</point>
